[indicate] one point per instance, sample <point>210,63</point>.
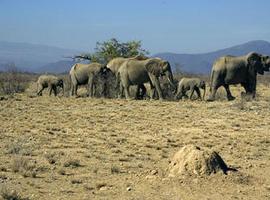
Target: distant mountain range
<point>202,63</point>
<point>42,58</point>
<point>32,57</point>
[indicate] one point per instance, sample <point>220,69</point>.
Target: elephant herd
<point>136,71</point>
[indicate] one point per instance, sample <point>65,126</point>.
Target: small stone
<point>150,177</point>
<point>267,187</point>
<point>154,172</point>
<point>128,189</point>
<point>103,188</point>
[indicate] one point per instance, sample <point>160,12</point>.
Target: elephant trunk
<point>204,89</point>
<point>63,90</point>
<point>170,79</point>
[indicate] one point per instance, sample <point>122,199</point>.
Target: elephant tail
<point>74,72</point>
<point>117,82</point>
<point>37,86</point>
<point>211,80</point>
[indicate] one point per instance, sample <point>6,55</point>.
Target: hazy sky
<point>180,26</point>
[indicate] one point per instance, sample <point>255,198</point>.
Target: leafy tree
<point>105,51</point>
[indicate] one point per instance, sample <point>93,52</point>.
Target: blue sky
<point>180,26</point>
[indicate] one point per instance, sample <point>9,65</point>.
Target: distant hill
<point>42,58</point>
<point>31,57</point>
<point>202,63</point>
<point>58,67</point>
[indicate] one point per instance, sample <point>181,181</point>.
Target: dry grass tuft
<point>115,170</point>
<point>24,167</point>
<point>72,163</point>
<point>9,194</point>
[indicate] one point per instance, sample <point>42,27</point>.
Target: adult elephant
<point>193,84</point>
<point>138,72</point>
<point>81,74</point>
<point>116,63</point>
<point>242,70</point>
<point>51,82</point>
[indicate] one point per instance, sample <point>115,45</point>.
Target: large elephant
<point>81,74</point>
<point>242,70</point>
<point>138,72</point>
<point>193,84</point>
<point>50,81</point>
<point>116,63</point>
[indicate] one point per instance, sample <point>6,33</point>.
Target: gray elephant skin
<point>229,70</point>
<point>192,84</point>
<point>51,82</point>
<point>114,66</point>
<point>81,74</point>
<point>138,72</point>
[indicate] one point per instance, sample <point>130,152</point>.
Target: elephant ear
<point>255,62</point>
<point>154,67</point>
<point>202,84</point>
<point>266,63</point>
<point>104,70</point>
<point>60,82</point>
<point>253,57</point>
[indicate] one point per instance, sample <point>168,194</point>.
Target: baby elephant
<point>193,84</point>
<point>51,82</point>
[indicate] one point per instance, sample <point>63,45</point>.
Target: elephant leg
<point>178,94</point>
<point>137,96</point>
<point>192,92</point>
<point>90,87</point>
<point>75,90</point>
<point>94,90</point>
<point>104,90</point>
<point>246,87</point>
<point>156,83</point>
<point>50,90</point>
<point>198,93</point>
<point>183,94</point>
<point>213,91</point>
<point>152,91</point>
<point>121,91</point>
<point>253,87</point>
<point>141,91</point>
<point>229,94</point>
<point>71,90</point>
<point>126,89</point>
<point>54,90</point>
<point>39,93</point>
<point>247,90</point>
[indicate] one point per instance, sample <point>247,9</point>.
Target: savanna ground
<point>81,148</point>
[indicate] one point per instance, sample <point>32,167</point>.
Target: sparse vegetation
<point>72,163</point>
<point>61,171</point>
<point>9,194</point>
<point>14,81</point>
<point>109,145</point>
<point>115,170</point>
<point>24,166</point>
<point>52,157</point>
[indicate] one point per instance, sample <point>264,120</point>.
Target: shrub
<point>24,167</point>
<point>8,194</point>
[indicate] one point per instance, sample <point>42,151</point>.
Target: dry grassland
<point>81,148</point>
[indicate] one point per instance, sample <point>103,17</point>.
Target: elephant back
<point>115,64</point>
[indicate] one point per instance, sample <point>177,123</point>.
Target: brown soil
<point>81,148</point>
